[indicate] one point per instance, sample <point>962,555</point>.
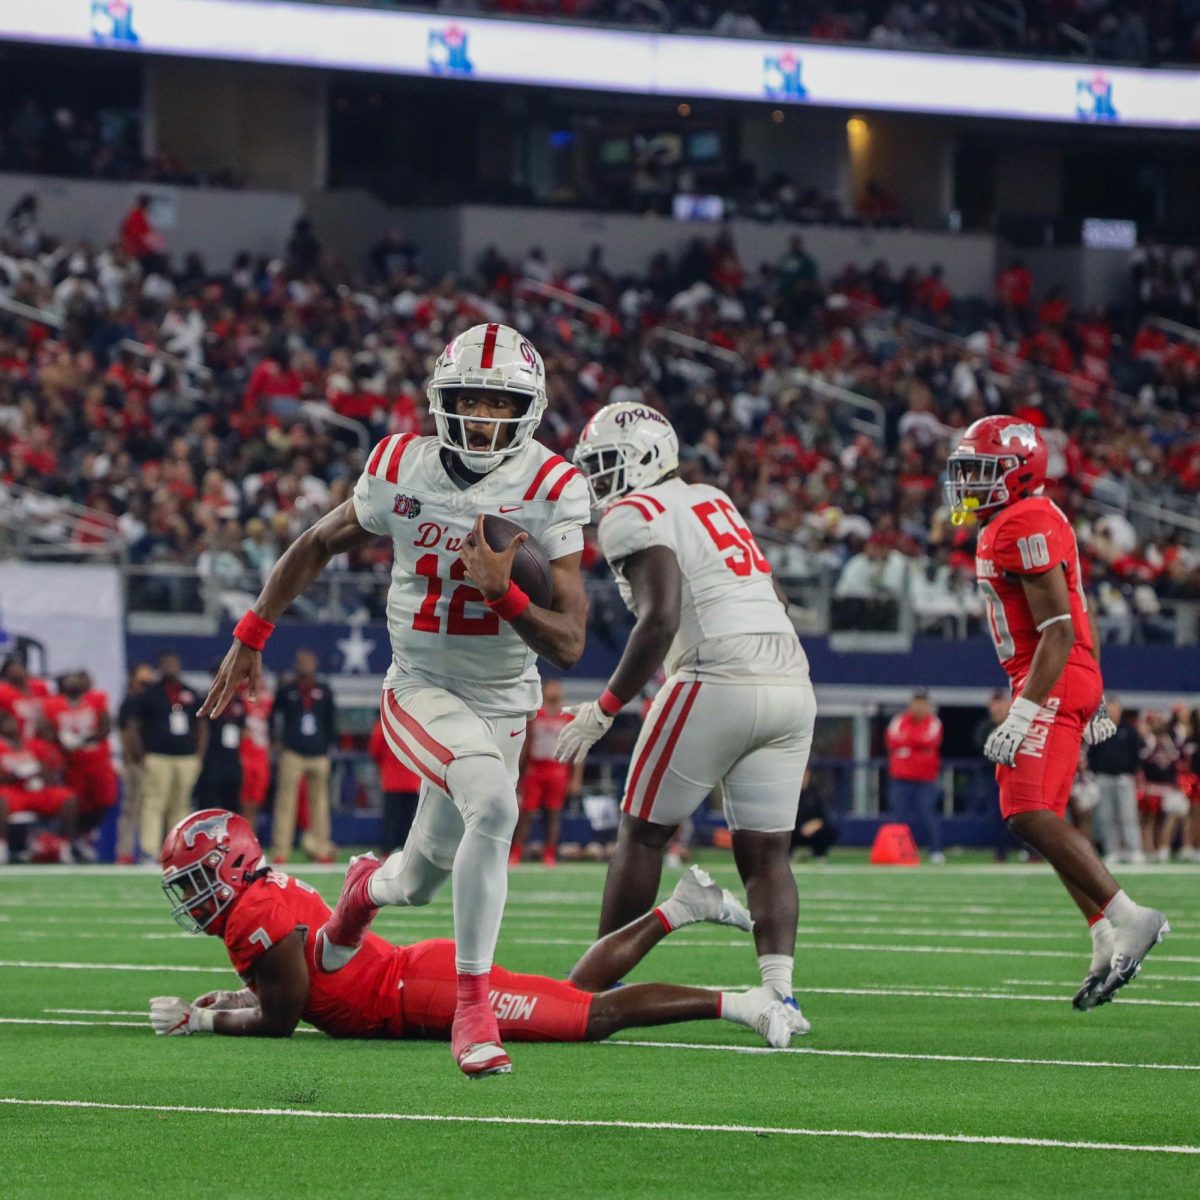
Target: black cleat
<point>1133,943</point>
<point>1086,998</point>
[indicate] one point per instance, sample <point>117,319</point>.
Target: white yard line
<point>940,1058</point>
<point>651,1126</point>
<point>97,1012</point>
<point>84,966</point>
<point>974,995</point>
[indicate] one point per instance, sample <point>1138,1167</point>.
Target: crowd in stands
<point>175,397</point>
<point>1133,31</point>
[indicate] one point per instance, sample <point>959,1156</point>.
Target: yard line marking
<point>973,995</point>
<point>947,1058</point>
<point>82,966</point>
<point>99,1012</point>
<point>46,1021</point>
<point>1143,977</point>
<point>881,948</point>
<point>880,1135</point>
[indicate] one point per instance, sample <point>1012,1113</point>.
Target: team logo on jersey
<point>781,77</point>
<point>1023,435</point>
<point>1094,99</point>
<point>216,828</point>
<point>447,52</point>
<point>632,415</point>
<point>406,506</point>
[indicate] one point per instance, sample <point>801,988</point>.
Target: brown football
<point>531,567</point>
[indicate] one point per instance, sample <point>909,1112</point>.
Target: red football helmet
<point>998,461</point>
<point>208,860</point>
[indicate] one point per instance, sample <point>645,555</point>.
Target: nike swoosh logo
<point>510,507</point>
<point>516,732</point>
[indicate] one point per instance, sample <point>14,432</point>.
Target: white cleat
<point>705,900</point>
<point>798,1023</point>
<point>772,1023</point>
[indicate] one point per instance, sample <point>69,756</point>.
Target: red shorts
<point>256,776</point>
<point>1049,755</point>
<point>529,1008</point>
<point>44,802</point>
<point>95,783</point>
<point>545,787</point>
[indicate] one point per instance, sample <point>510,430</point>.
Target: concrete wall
<point>214,222</point>
<point>269,124</point>
<point>1090,276</point>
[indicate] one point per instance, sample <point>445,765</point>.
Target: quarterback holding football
<point>465,639</point>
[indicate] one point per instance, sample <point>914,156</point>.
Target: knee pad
<point>483,793</point>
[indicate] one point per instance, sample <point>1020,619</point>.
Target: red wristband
<point>253,631</point>
<point>511,605</point>
<point>610,703</point>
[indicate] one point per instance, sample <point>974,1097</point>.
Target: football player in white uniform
<point>463,681</point>
<point>737,709</point>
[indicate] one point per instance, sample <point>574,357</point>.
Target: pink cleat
<point>352,917</point>
<point>475,1041</point>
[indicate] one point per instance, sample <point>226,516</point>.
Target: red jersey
<point>76,724</point>
<point>27,704</point>
<point>914,747</point>
<point>1029,538</point>
<point>543,737</point>
<point>26,764</point>
<point>360,1000</point>
<point>258,722</point>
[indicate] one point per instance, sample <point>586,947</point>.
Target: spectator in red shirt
<point>23,695</point>
<point>914,743</point>
<point>401,789</point>
<point>31,782</point>
<point>1014,286</point>
<point>139,238</point>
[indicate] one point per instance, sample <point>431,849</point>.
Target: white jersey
<point>732,626</point>
<point>441,631</point>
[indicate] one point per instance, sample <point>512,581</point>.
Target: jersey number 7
<point>747,556</point>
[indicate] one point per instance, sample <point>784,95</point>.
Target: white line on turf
<point>82,966</point>
<point>880,1135</point>
<point>97,1012</point>
<point>940,1058</point>
<point>45,1021</point>
<point>973,995</point>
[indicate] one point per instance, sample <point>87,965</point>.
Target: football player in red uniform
<point>79,717</point>
<point>545,782</point>
<point>31,782</point>
<point>23,695</point>
<point>1027,567</point>
<point>220,883</point>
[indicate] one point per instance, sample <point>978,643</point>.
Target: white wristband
<point>201,1020</point>
<point>1026,710</point>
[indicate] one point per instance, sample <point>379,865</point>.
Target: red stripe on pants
<point>668,750</point>
<point>651,742</point>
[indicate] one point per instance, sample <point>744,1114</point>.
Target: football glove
<point>591,723</point>
<point>224,1001</point>
<point>1101,727</point>
<point>1005,740</point>
<point>172,1016</point>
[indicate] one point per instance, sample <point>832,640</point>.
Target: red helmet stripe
<point>489,346</point>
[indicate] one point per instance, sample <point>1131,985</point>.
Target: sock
<point>777,973</point>
<point>1102,942</point>
<point>480,882</point>
<point>1120,909</point>
<point>742,1007</point>
<point>472,989</point>
<point>673,915</point>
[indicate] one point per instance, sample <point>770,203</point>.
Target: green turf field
<point>939,1003</point>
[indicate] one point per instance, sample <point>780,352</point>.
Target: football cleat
<point>355,910</point>
<point>772,1023</point>
<point>475,1042</point>
<point>1134,941</point>
<point>704,900</point>
<point>1087,997</point>
<point>797,1022</point>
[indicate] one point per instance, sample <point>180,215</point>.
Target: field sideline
<point>945,1059</point>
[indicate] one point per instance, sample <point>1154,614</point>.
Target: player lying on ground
<point>737,710</point>
<point>1027,566</point>
<point>465,639</point>
<point>273,927</point>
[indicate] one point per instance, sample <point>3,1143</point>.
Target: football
<point>530,568</point>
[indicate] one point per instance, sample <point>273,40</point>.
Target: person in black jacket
<point>220,782</point>
<point>1115,763</point>
<point>303,725</point>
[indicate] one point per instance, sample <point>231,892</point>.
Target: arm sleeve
<point>572,511</point>
<point>368,504</point>
<point>1031,543</point>
<point>624,531</point>
<point>258,922</point>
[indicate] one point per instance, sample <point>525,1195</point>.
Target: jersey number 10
<point>747,557</point>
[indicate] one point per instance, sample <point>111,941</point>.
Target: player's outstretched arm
<point>338,532</point>
<point>282,979</point>
<point>556,633</point>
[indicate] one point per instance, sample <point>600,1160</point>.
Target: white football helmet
<point>625,447</point>
<point>496,358</point>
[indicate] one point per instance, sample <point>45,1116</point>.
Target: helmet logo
<point>528,355</point>
<point>1023,435</point>
<point>216,827</point>
<point>628,416</point>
